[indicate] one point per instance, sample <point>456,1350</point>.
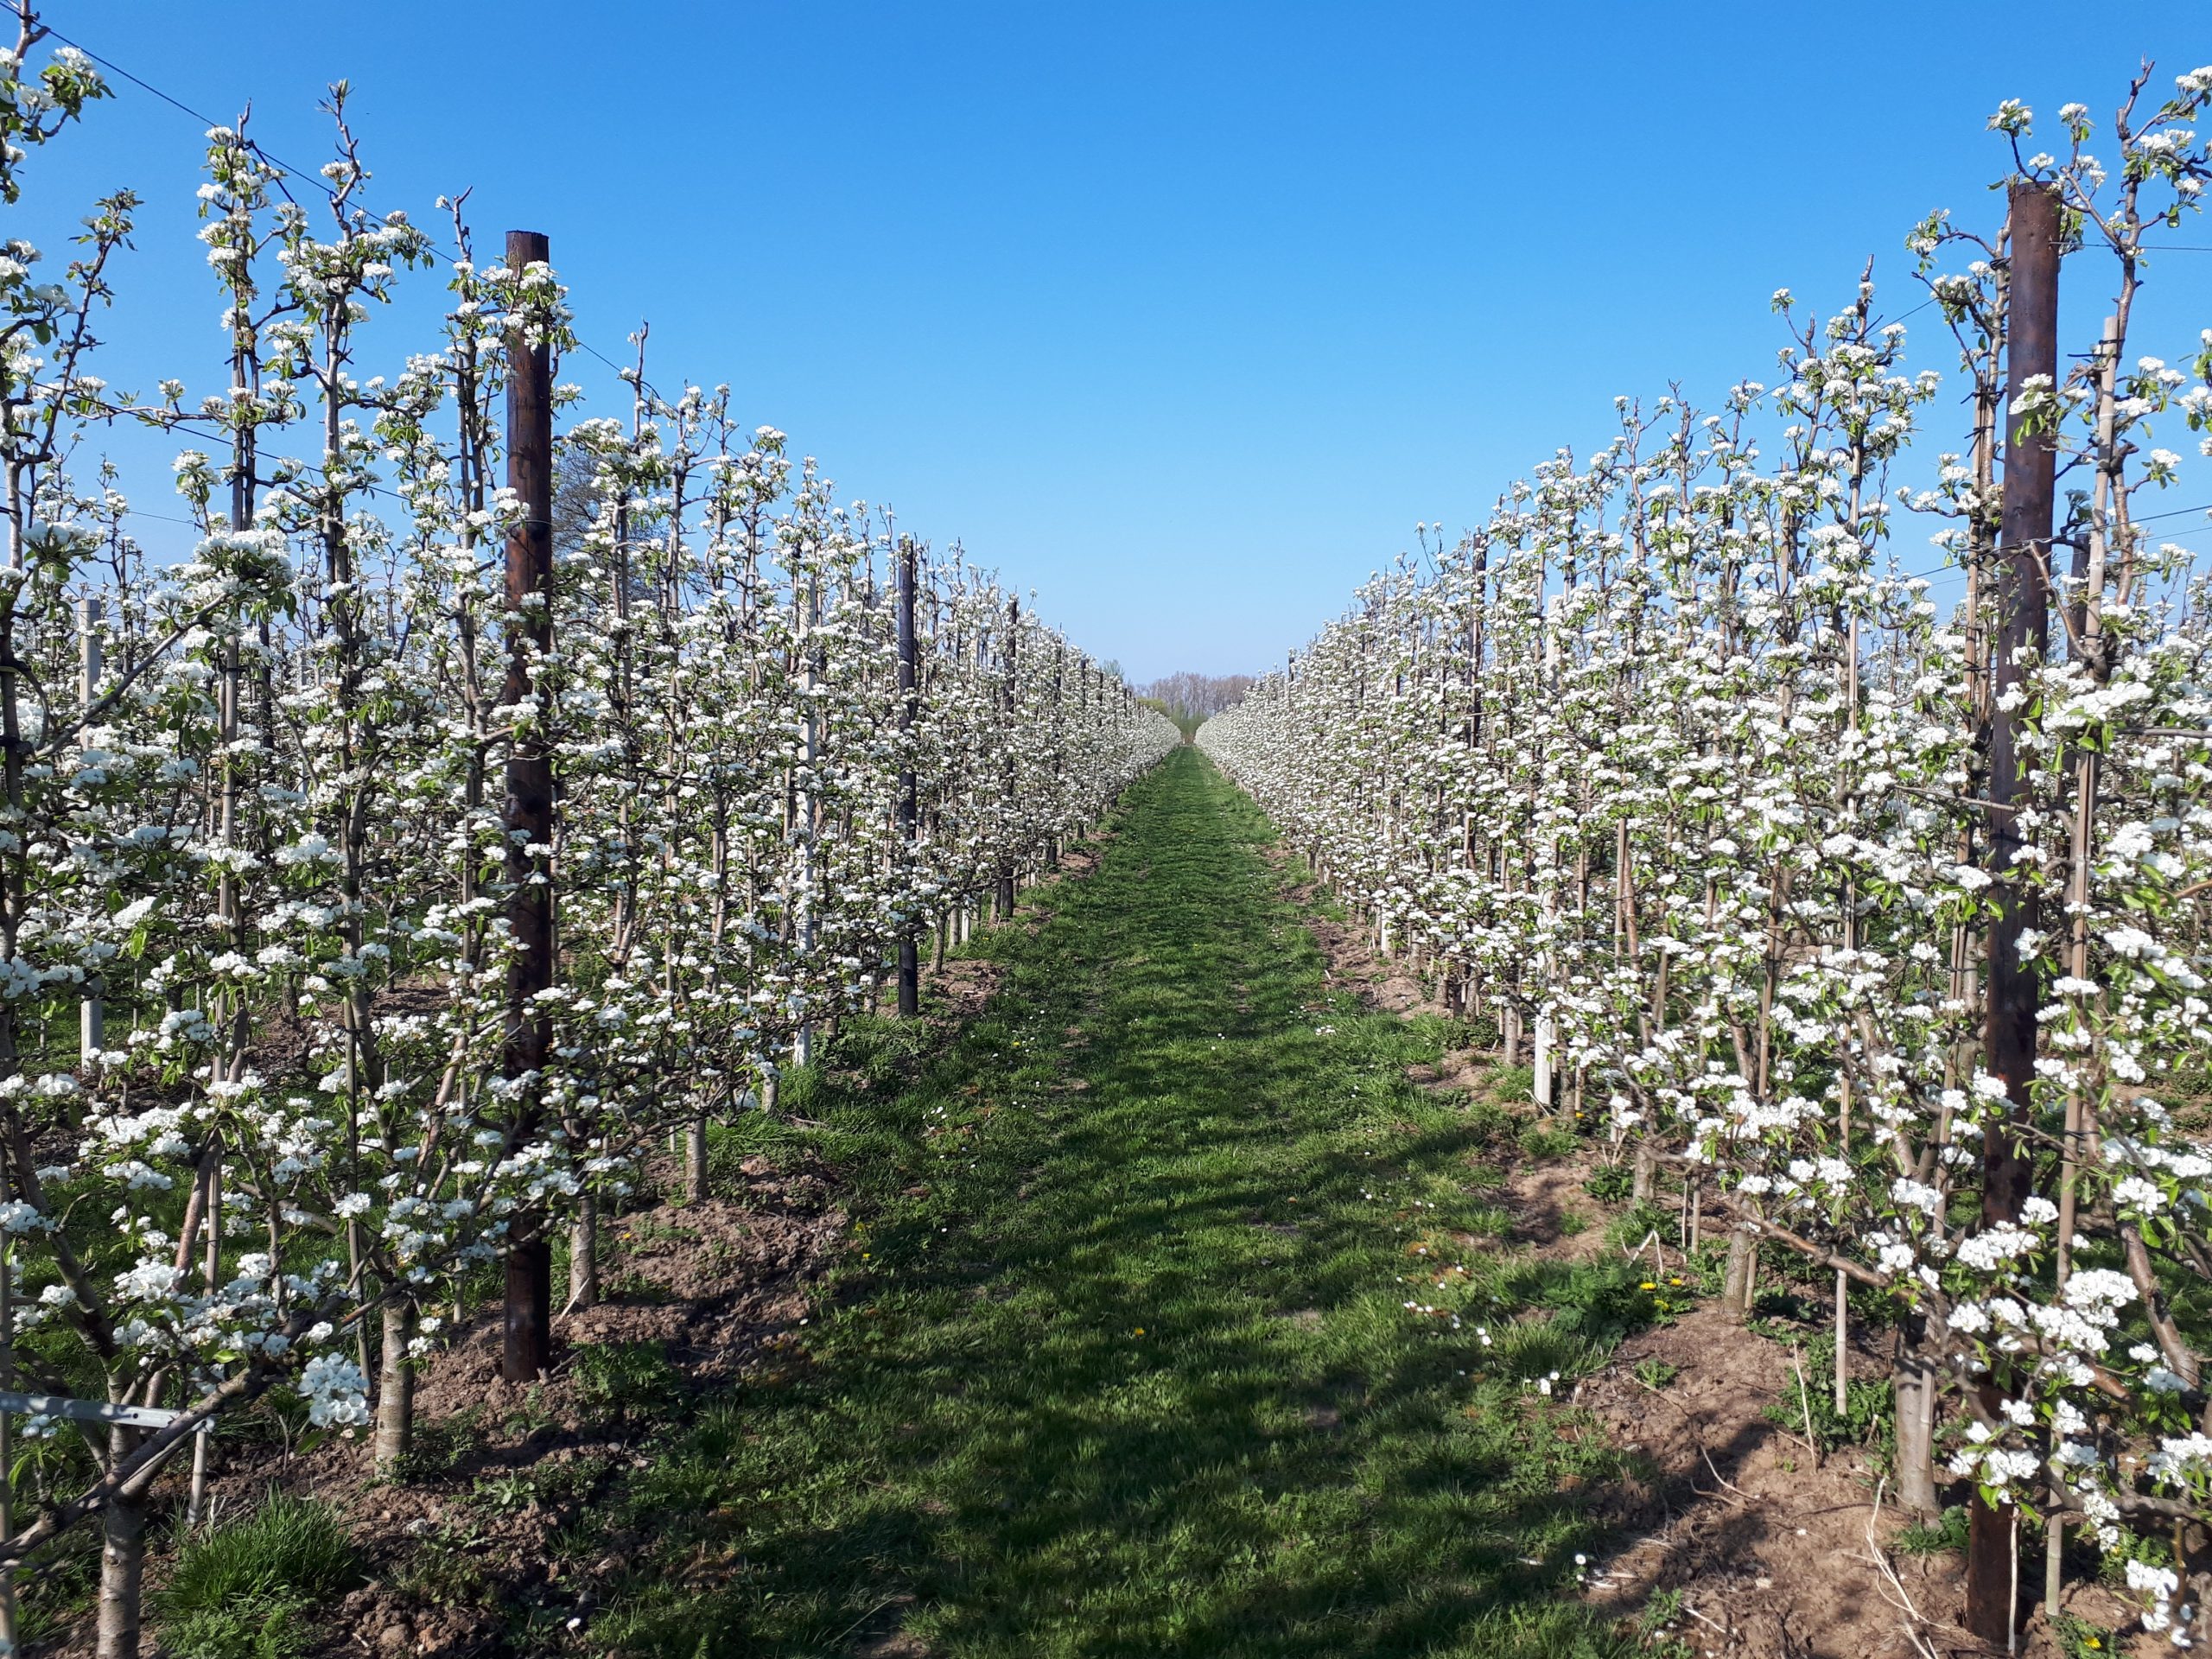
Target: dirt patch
<point>1353,963</point>
<point>898,1645</point>
<point>1775,1557</point>
<point>1081,857</point>
<point>713,1291</point>
<point>1550,1210</point>
<point>1464,1070</point>
<point>964,984</point>
<point>968,983</point>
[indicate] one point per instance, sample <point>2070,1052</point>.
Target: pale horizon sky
<point>1184,315</point>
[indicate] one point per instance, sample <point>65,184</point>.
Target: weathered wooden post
<point>2023,624</point>
<point>528,814</point>
<point>1004,905</point>
<point>909,955</point>
<point>92,1011</point>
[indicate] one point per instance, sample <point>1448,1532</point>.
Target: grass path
<point>1119,1362</point>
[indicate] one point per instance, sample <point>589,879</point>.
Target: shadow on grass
<point>1122,1363</point>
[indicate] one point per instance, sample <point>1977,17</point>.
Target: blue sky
<point>1182,314</point>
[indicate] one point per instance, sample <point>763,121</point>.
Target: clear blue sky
<point>1183,314</point>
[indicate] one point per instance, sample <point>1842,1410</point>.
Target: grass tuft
<point>253,1589</point>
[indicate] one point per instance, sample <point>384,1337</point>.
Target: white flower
<point>307,849</point>
<point>2095,1288</point>
<point>1914,1195</point>
<point>335,1391</point>
<point>2136,1193</point>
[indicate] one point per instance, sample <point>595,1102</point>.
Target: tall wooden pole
<point>1005,905</point>
<point>91,1012</point>
<point>529,810</point>
<point>2023,624</point>
<point>909,957</point>
<point>7,1451</point>
<point>1059,748</point>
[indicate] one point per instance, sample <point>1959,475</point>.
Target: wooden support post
<point>1004,907</point>
<point>528,815</point>
<point>92,1011</point>
<point>2023,624</point>
<point>7,1450</point>
<point>910,960</point>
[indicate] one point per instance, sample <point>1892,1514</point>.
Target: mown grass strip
<point>1120,1362</point>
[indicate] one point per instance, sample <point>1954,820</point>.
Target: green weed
<point>626,1377</point>
<point>1917,1538</point>
<point>1869,1414</point>
<point>1655,1373</point>
<point>1610,1183</point>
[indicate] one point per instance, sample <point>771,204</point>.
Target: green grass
<point>625,1376</point>
<point>256,1589</point>
<point>1118,1362</point>
<point>1949,1531</point>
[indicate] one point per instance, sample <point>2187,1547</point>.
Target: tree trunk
<point>395,1386</point>
<point>583,1253</point>
<point>123,1563</point>
<point>695,1160</point>
<point>527,1334</point>
<point>1646,1183</point>
<point>1915,1404</point>
<point>1736,1279</point>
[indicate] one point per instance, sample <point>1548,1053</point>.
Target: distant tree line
<point>1189,699</point>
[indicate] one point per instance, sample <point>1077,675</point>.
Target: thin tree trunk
<point>1915,1387</point>
<point>1736,1278</point>
<point>695,1160</point>
<point>123,1563</point>
<point>583,1253</point>
<point>395,1388</point>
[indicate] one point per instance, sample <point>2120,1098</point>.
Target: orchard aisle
<point>1118,1362</point>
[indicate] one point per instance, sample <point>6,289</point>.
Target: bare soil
<point>1552,1214</point>
<point>1354,965</point>
<point>965,984</point>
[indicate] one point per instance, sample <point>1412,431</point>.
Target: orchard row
<point>473,808</point>
<point>1876,918</point>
